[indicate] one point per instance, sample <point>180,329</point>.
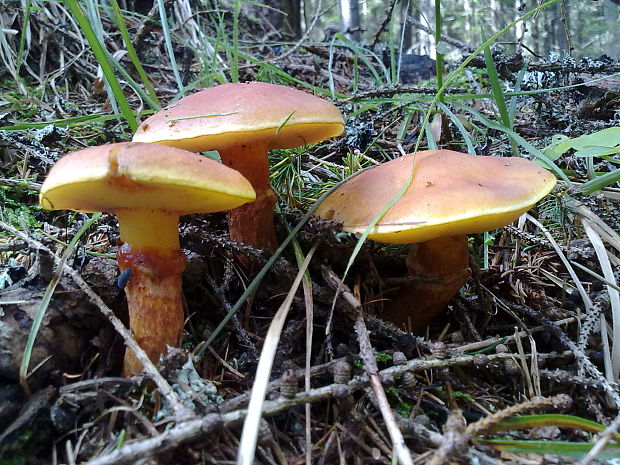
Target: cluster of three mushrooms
<point>150,185</point>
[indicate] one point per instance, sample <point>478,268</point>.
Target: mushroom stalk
<point>152,251</point>
<point>252,223</point>
<point>440,268</point>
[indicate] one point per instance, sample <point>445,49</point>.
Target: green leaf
<point>597,144</point>
<point>596,151</point>
<point>443,47</point>
<point>560,144</point>
<point>609,137</point>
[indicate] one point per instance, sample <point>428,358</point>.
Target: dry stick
<point>181,412</point>
<point>372,371</point>
<point>195,429</point>
<point>614,297</point>
<point>33,186</point>
<point>486,425</point>
<point>370,365</point>
<point>309,304</point>
<point>479,345</point>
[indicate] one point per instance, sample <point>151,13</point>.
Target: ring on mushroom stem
<point>148,187</point>
<point>451,195</point>
<point>243,122</point>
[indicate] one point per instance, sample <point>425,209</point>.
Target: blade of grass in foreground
<point>106,67</point>
<point>498,93</point>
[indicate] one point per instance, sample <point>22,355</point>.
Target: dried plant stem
<point>370,364</point>
<point>479,345</point>
<point>181,412</point>
<point>372,371</point>
<point>249,434</point>
<point>485,425</point>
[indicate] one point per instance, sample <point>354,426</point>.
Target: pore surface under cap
<point>242,113</point>
<point>137,175</point>
<point>451,193</point>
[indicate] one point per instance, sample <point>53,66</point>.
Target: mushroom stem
<point>252,223</point>
<point>154,297</point>
<point>441,267</point>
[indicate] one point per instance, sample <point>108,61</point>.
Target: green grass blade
<point>131,51</point>
<point>22,38</point>
<point>47,297</point>
<point>457,122</point>
<point>512,107</point>
<point>551,419</point>
<point>498,93</point>
<point>234,66</point>
<point>362,53</point>
<point>599,182</point>
<point>94,18</point>
<point>430,138</point>
<point>559,448</point>
<point>518,139</point>
<point>168,42</point>
<point>154,104</point>
<point>438,55</point>
<point>496,87</point>
<point>100,54</point>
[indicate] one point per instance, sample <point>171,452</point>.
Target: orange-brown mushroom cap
<point>451,194</point>
<point>148,187</point>
<point>241,113</point>
<point>138,175</point>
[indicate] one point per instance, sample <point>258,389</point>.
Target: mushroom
<point>148,187</point>
<point>451,195</point>
<point>243,122</point>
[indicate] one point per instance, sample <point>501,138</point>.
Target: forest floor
<point>524,336</point>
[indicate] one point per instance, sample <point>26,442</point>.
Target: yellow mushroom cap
<point>451,194</point>
<point>132,175</point>
<point>235,114</point>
